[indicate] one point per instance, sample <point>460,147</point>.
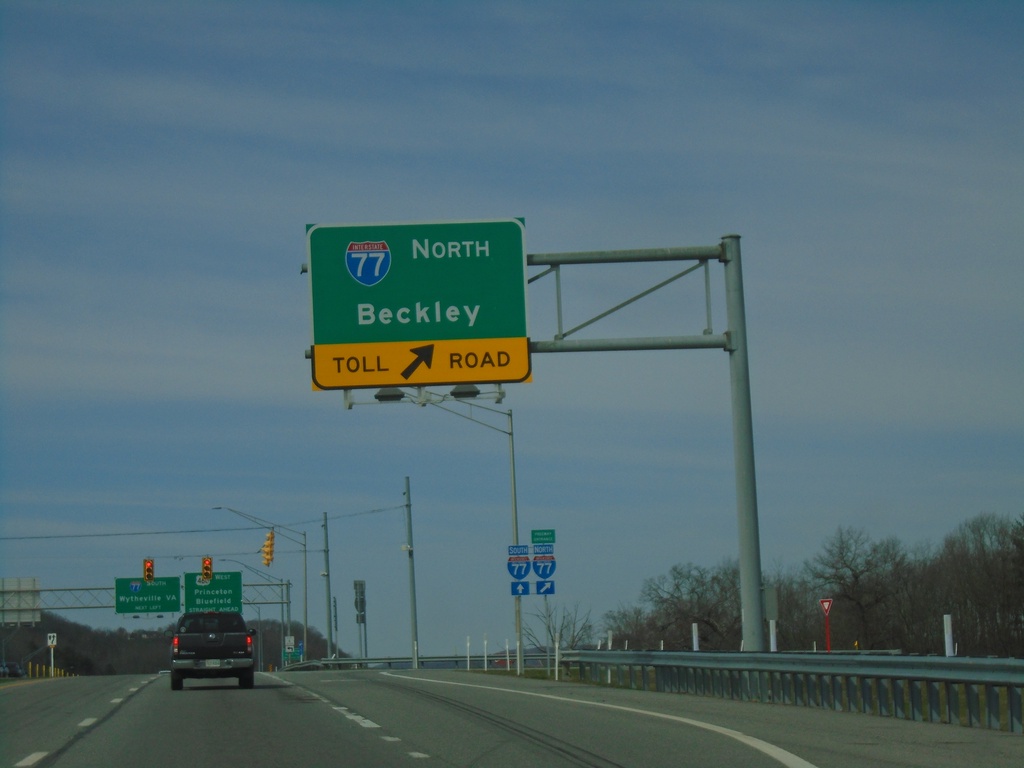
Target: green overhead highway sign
<point>139,596</point>
<point>418,304</point>
<point>221,593</point>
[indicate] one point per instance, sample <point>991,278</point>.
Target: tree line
<point>84,650</point>
<point>886,596</point>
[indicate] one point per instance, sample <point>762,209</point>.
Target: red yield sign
<point>826,606</point>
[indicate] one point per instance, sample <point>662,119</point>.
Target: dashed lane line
<point>30,760</point>
<point>35,757</point>
<point>356,718</point>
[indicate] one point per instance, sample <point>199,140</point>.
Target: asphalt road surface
<point>449,718</point>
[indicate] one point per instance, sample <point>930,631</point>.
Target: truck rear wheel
<point>177,681</point>
<point>246,679</point>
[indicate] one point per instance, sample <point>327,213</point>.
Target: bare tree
<point>632,624</point>
<point>571,627</point>
<point>799,623</point>
<point>671,603</point>
<point>863,577</point>
<point>981,586</point>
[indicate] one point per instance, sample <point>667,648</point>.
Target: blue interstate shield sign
<point>544,566</point>
<point>368,262</point>
<point>519,566</point>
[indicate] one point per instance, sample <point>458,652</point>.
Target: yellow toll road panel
<point>421,363</point>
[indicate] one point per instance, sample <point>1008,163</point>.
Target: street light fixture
<point>389,395</point>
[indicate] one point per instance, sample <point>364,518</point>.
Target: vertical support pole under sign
<point>743,450</point>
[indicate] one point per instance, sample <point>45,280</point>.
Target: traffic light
<point>207,568</point>
<point>268,549</point>
<point>148,573</point>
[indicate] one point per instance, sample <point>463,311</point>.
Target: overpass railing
<point>974,692</point>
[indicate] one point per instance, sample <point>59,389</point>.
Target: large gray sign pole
<point>743,450</point>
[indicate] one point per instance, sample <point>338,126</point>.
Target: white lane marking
<point>32,759</point>
<point>116,701</point>
<point>390,738</point>
<point>87,722</point>
<point>788,759</point>
<point>417,754</point>
<point>356,718</point>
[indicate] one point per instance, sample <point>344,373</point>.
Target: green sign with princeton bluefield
<point>140,596</point>
<point>221,593</point>
<point>418,304</point>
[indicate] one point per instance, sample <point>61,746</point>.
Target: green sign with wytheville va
<point>140,596</point>
<point>223,592</point>
<point>418,304</point>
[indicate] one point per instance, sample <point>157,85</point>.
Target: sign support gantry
<point>733,341</point>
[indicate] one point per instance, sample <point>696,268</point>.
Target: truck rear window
<point>213,622</point>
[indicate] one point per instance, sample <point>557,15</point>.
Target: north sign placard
<point>399,305</point>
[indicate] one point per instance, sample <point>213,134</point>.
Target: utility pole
<point>412,576</point>
<point>327,578</point>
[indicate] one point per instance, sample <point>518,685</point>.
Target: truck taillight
<point>174,645</point>
<point>248,644</point>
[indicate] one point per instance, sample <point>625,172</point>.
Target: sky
<point>159,164</point>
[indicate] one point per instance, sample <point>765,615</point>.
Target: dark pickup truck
<point>212,645</point>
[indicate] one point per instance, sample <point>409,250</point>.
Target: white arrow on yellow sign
<point>421,363</point>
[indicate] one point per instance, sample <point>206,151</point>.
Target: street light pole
<point>461,395</point>
<point>515,540</point>
<point>305,569</point>
<point>284,601</point>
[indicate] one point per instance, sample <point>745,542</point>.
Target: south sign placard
<point>399,305</point>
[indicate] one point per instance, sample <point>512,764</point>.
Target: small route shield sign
<point>519,566</point>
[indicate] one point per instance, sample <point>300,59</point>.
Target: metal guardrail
<point>494,662</point>
<point>973,692</point>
